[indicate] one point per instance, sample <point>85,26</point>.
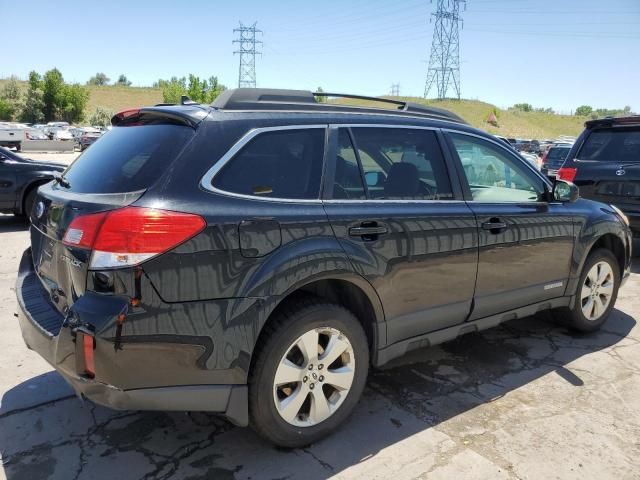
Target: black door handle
<point>368,230</point>
<point>495,225</point>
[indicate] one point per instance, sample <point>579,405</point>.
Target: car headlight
<point>622,216</point>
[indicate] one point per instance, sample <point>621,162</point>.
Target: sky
<point>550,53</point>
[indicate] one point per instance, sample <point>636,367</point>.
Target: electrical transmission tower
<point>444,61</point>
<point>395,89</point>
<point>247,50</point>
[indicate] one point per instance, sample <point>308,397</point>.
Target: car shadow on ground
<point>41,437</point>
<point>13,223</point>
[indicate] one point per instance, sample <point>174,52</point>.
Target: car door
<point>526,242</point>
<point>7,183</point>
<point>403,224</point>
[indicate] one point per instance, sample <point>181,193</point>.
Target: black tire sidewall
<point>578,320</point>
<point>264,415</point>
<point>28,203</point>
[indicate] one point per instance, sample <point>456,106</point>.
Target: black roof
<point>256,99</point>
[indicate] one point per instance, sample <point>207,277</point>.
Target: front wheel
<point>309,372</point>
<point>597,292</point>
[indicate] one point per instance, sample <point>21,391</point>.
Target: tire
<point>28,203</point>
<point>294,325</point>
<point>575,317</point>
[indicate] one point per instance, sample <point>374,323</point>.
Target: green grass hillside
<point>511,123</point>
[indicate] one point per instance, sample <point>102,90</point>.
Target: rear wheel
<point>596,294</point>
<point>308,373</point>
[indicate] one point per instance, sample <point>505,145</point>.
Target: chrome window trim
<point>392,114</point>
<point>206,182</point>
<point>334,126</point>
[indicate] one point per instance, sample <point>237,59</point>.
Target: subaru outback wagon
<point>254,257</point>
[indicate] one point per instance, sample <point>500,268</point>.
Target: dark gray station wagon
<point>254,257</point>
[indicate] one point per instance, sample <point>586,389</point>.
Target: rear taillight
<point>567,173</point>
<point>89,362</point>
<point>131,235</point>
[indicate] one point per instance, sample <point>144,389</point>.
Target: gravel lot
<point>524,400</point>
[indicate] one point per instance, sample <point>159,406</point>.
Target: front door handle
<point>495,226</point>
<point>368,230</point>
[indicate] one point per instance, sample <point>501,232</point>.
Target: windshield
<point>127,159</point>
<point>614,145</point>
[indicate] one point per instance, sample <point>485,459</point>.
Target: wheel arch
<point>28,188</point>
<point>350,291</point>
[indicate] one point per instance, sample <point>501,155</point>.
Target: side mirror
<point>565,191</point>
<point>373,179</point>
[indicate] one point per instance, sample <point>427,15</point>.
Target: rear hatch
<point>113,173</point>
<point>556,157</point>
<point>608,167</point>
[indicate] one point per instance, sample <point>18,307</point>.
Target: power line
<point>444,61</point>
<point>247,50</point>
<point>395,89</point>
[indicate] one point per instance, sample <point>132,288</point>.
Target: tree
<point>7,110</point>
<point>73,100</point>
<point>99,79</point>
<point>33,105</point>
<point>320,99</point>
<point>523,107</point>
<point>201,91</point>
<point>10,99</point>
<point>123,81</point>
<point>101,117</point>
<point>584,110</point>
<point>52,93</point>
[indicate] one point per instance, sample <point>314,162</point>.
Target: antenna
<point>247,50</point>
<point>444,61</point>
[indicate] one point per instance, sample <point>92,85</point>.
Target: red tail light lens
<point>567,174</point>
<point>89,363</point>
<point>131,235</point>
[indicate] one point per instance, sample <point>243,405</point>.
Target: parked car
<point>62,134</point>
<point>11,136</point>
<point>35,134</point>
<point>85,136</point>
<point>247,258</point>
<point>553,159</point>
<point>605,163</point>
<point>19,179</point>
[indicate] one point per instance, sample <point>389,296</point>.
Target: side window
<point>495,175</point>
<point>278,164</point>
<point>348,181</point>
<point>402,163</point>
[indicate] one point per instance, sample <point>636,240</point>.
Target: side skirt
<point>386,354</point>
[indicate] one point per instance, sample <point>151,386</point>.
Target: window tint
<point>127,159</point>
<point>620,145</point>
<point>493,174</point>
<point>402,163</point>
<point>558,153</point>
<point>279,164</point>
<point>348,181</point>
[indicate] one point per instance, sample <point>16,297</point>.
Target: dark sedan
<point>19,180</point>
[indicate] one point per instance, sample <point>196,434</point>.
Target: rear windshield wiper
<point>62,181</point>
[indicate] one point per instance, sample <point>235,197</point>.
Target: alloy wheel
<point>314,377</point>
<point>597,291</point>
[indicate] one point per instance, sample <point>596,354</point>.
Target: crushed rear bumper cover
<point>43,331</point>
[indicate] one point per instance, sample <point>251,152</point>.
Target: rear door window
<point>127,159</point>
<point>612,145</point>
<point>279,164</point>
<point>402,163</point>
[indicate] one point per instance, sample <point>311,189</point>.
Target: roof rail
<point>279,99</point>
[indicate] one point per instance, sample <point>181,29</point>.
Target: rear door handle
<point>368,231</point>
<point>495,225</point>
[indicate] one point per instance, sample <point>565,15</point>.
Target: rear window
<point>127,159</point>
<point>278,164</point>
<point>615,145</point>
<point>558,153</point>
